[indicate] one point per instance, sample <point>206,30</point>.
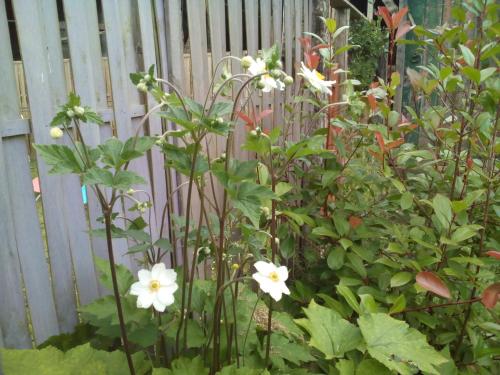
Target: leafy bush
<point>343,251</point>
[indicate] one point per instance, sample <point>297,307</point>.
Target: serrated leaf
<point>399,347</point>
<point>330,334</point>
<point>123,275</point>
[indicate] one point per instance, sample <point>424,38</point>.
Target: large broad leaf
<point>123,276</point>
<point>399,347</point>
<point>442,208</point>
<point>247,198</point>
<point>233,370</point>
<point>61,158</point>
<point>83,360</point>
<point>282,349</point>
<point>330,334</point>
<point>184,366</point>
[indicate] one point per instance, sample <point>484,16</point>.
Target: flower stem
<point>109,239</point>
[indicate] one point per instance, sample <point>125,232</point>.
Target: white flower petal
<point>167,277</point>
<point>145,300</point>
<point>158,305</point>
<point>282,273</point>
<point>275,294</point>
<point>166,295</point>
<point>137,288</point>
<point>264,268</point>
<point>144,277</point>
<point>157,270</point>
<point>284,289</point>
<point>265,284</point>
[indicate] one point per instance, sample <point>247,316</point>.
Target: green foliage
<point>397,346</point>
<point>371,42</point>
<point>330,334</point>
<point>79,360</point>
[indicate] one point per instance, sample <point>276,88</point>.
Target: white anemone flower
<point>271,279</point>
<point>256,66</point>
<point>316,80</point>
<point>268,83</point>
<point>155,287</point>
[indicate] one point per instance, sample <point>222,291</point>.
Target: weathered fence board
<point>45,82</point>
<point>17,189</point>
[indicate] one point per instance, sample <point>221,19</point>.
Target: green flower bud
<point>56,133</point>
<point>78,110</point>
<point>288,80</point>
<point>246,62</point>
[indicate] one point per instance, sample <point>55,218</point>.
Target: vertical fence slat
<point>265,37</point>
<point>235,12</point>
<point>88,78</point>
<point>158,180</point>
<point>13,321</point>
<point>217,18</point>
<point>30,247</point>
<point>65,221</point>
<point>252,26</point>
<point>175,43</point>
<point>278,39</point>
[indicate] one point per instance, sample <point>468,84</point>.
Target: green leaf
<point>406,200</point>
<point>248,198</point>
<point>234,370</point>
<point>486,73</point>
<point>399,347</point>
<point>400,279</point>
<point>372,367</point>
<point>335,259</point>
<point>467,54</point>
<point>349,296</point>
<point>330,334</point>
<point>61,158</point>
<point>284,349</point>
<point>183,366</point>
<point>442,208</point>
<point>398,305</point>
<point>465,232</point>
<point>473,74</point>
<point>282,188</point>
<point>123,275</point>
<point>82,360</point>
<point>323,231</point>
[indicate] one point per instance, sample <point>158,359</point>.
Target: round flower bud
<point>220,120</point>
<point>265,210</point>
<point>142,87</point>
<point>275,73</point>
<point>260,85</point>
<point>253,133</point>
<point>246,62</point>
<point>258,130</point>
<point>130,191</point>
<point>78,110</point>
<point>147,77</point>
<point>70,113</point>
<point>56,133</point>
<point>235,266</point>
<point>288,80</point>
<point>279,64</point>
<point>206,250</point>
<point>277,241</point>
<point>223,156</point>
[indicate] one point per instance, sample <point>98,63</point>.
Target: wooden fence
<point>46,252</point>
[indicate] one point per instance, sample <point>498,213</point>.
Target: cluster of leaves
<point>364,60</point>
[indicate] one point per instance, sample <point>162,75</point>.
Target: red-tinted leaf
<point>431,282</point>
<point>394,144</point>
<point>493,254</point>
<point>319,46</point>
<point>245,118</point>
<point>263,114</point>
<point>469,163</point>
<point>376,155</point>
<point>397,17</point>
<point>490,296</point>
<point>372,102</point>
<point>380,141</point>
<point>403,29</point>
<point>386,15</point>
<point>305,42</point>
<point>355,221</point>
<point>312,59</point>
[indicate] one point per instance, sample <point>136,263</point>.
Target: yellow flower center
<point>154,285</point>
<point>319,75</point>
<point>274,276</point>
